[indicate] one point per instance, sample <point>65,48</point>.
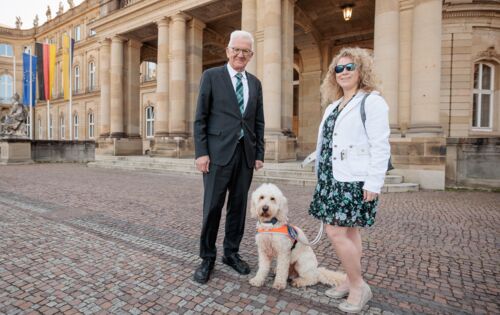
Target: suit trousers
<point>234,178</point>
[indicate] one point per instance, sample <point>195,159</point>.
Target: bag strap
<point>362,110</point>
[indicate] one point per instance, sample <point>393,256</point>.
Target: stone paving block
<point>98,241</point>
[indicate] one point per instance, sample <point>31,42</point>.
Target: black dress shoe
<point>202,273</point>
<point>235,261</point>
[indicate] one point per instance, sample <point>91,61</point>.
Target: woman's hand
<point>369,196</point>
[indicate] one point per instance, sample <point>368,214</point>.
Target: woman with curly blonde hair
<point>352,155</point>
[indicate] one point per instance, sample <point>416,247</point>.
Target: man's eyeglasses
<point>340,68</point>
<point>237,51</point>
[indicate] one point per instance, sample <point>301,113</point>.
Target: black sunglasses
<point>340,68</point>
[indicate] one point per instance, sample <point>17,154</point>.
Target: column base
<point>121,146</point>
<point>177,147</point>
<point>280,148</point>
<point>395,131</point>
<point>15,151</point>
<point>424,130</point>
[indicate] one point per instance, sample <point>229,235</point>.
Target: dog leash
<point>318,237</point>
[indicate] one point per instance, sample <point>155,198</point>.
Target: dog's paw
<point>256,282</point>
<point>279,285</point>
<point>298,283</point>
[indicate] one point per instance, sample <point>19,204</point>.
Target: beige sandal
<point>337,294</point>
<point>366,295</point>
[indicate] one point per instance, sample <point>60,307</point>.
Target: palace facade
<point>137,66</point>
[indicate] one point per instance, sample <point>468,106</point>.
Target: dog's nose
<point>265,208</point>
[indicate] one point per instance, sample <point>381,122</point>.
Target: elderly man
<point>229,145</point>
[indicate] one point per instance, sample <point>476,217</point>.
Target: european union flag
<point>26,79</point>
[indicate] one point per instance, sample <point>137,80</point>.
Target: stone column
<point>194,67</point>
<point>177,83</point>
<point>116,127</point>
<point>105,88</point>
<point>249,24</point>
<point>287,64</point>
<point>161,108</point>
<point>272,66</point>
<point>426,68</point>
<point>405,40</point>
<point>259,40</point>
<point>386,50</point>
<point>132,104</point>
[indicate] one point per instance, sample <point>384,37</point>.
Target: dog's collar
<point>273,221</point>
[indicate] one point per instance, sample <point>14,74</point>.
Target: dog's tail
<point>331,277</point>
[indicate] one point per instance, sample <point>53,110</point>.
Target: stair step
<point>290,173</point>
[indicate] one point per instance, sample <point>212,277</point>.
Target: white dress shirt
<point>244,80</point>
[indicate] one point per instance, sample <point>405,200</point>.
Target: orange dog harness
<point>286,229</point>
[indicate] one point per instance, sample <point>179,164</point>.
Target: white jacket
<point>359,155</point>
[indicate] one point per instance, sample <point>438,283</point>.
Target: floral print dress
<point>334,202</point>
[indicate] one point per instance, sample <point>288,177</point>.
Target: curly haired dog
<point>294,255</point>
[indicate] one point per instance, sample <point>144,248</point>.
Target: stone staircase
<point>278,173</point>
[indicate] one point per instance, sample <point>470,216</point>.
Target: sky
<point>27,9</point>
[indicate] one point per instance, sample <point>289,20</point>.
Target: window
<point>150,71</point>
<point>40,130</point>
<point>92,33</point>
<point>28,126</point>
<point>50,127</point>
<point>91,76</point>
<point>75,126</point>
<point>62,128</point>
<point>482,98</point>
<point>76,87</point>
<point>150,122</point>
<point>6,50</point>
<point>91,125</point>
<point>6,88</point>
<point>78,33</point>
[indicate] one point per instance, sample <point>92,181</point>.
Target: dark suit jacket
<point>218,119</point>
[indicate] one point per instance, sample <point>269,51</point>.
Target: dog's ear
<point>253,205</point>
<point>284,207</point>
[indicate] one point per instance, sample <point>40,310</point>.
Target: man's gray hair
<point>240,34</point>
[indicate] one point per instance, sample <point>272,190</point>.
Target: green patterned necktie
<point>239,95</point>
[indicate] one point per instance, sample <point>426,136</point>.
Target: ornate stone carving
<point>35,21</point>
<point>19,23</point>
<point>48,13</point>
<point>71,4</point>
<point>13,125</point>
<point>489,53</point>
<point>61,8</point>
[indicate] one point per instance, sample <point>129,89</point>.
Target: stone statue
<point>48,13</point>
<point>19,23</point>
<point>71,4</point>
<point>14,123</point>
<point>61,8</point>
<point>35,21</point>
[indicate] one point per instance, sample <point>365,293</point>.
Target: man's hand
<point>202,163</point>
<point>258,165</point>
<point>369,196</point>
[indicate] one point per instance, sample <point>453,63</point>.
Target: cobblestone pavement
<point>99,241</point>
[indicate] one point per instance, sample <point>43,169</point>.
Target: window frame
<point>6,88</point>
<point>6,50</point>
<point>62,127</point>
<point>76,82</point>
<point>92,76</point>
<point>476,125</point>
<point>91,123</point>
<point>150,122</point>
<point>76,125</point>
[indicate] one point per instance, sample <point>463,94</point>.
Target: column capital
<point>196,23</point>
<point>105,41</point>
<point>163,21</point>
<point>118,39</point>
<point>134,43</point>
<point>180,16</point>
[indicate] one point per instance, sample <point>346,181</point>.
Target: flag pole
<point>31,94</point>
<point>70,116</point>
<point>14,85</point>
<point>48,99</point>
